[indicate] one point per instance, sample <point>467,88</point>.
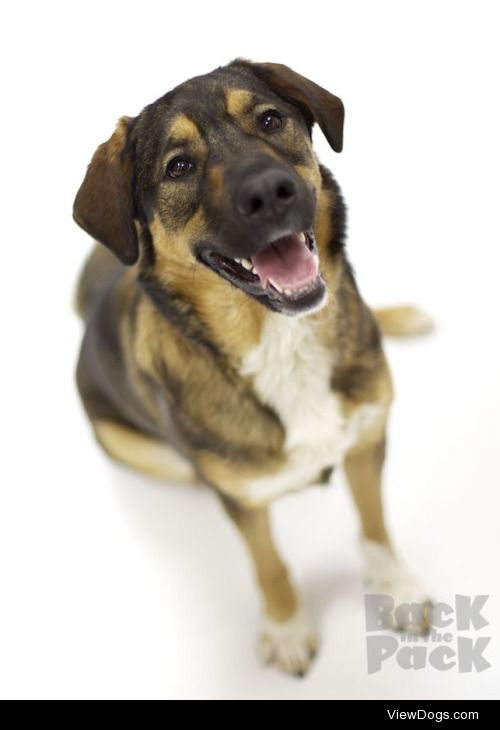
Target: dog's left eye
<point>271,120</point>
<point>178,167</point>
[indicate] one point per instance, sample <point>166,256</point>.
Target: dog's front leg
<point>385,574</point>
<point>287,639</point>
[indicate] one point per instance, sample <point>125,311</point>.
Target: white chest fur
<point>291,370</point>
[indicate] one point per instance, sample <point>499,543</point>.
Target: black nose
<point>265,195</point>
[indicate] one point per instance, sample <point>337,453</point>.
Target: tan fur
<point>232,478</point>
<point>238,102</point>
<point>216,178</point>
<point>323,230</point>
<point>183,130</point>
<point>403,321</point>
<point>363,468</point>
<point>310,173</point>
<point>232,318</point>
<point>138,451</point>
<point>117,140</point>
<point>210,390</point>
<point>280,599</point>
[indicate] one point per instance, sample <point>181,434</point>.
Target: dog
<point>226,341</point>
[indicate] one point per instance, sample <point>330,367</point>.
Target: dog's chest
<point>291,370</point>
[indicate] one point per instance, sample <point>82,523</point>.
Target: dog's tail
<point>100,268</point>
<point>404,321</point>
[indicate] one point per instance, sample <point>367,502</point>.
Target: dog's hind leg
<point>384,573</point>
<point>142,452</point>
<point>287,640</point>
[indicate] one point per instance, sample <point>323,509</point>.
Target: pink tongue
<point>287,263</point>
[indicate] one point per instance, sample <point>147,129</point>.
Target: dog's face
<point>220,173</point>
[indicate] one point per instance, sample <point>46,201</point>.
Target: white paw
<point>290,645</point>
<point>385,575</point>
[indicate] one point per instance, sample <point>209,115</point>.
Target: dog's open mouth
<point>285,274</point>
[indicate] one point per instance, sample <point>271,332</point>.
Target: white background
<point>116,586</point>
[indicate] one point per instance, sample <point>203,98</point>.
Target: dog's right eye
<point>271,120</point>
<point>178,167</point>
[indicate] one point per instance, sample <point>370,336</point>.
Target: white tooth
<point>302,237</point>
<point>287,292</point>
<point>247,264</point>
<point>238,261</point>
<point>276,286</point>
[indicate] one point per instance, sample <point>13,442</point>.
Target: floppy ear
<point>104,204</point>
<point>317,104</point>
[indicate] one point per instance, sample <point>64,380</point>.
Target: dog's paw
<point>291,646</point>
<point>386,576</point>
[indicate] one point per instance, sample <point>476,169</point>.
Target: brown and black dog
<point>226,341</point>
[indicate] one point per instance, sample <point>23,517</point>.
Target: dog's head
<point>220,173</point>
